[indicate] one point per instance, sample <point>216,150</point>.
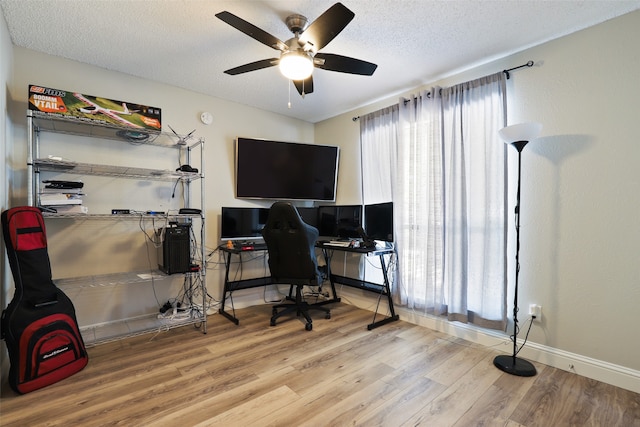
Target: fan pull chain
<point>289,85</point>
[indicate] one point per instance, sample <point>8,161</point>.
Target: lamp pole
<point>513,364</point>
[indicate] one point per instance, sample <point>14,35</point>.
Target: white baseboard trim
<point>616,375</point>
<point>600,370</point>
<point>606,372</point>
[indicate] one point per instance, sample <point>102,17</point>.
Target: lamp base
<point>514,366</point>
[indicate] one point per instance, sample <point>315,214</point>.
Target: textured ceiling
<point>182,43</point>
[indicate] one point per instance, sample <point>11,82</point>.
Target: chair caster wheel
<point>328,316</point>
<point>272,323</point>
<point>308,326</point>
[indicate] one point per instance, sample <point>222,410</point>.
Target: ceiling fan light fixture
<point>296,65</point>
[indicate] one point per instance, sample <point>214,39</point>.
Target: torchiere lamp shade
<point>520,132</point>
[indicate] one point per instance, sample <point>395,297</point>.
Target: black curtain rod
<point>419,96</point>
<point>528,64</point>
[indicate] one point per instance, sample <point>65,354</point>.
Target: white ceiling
<point>182,43</point>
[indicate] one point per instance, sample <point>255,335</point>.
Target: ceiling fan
<point>299,55</point>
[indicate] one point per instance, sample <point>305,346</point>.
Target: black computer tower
<point>174,250</point>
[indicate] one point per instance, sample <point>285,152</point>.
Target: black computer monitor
<point>378,221</point>
<point>309,215</point>
<point>340,221</point>
<point>243,223</point>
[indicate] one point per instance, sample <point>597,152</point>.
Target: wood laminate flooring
<point>339,374</point>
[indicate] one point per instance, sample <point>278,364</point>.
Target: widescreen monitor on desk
<point>243,224</point>
<point>340,222</point>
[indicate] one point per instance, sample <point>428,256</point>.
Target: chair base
<point>301,308</point>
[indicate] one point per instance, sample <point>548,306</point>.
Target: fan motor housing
<point>296,23</point>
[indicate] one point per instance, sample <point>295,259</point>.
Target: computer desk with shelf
<point>382,289</point>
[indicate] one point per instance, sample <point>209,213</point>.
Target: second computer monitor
<point>309,215</point>
<point>340,221</point>
<point>379,221</point>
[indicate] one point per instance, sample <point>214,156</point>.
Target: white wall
<point>580,226</point>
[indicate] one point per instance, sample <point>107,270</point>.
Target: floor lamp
<point>518,136</point>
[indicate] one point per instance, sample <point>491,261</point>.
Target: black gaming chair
<point>292,258</point>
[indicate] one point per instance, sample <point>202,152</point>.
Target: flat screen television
<point>244,224</point>
<point>285,170</point>
<point>378,221</point>
<point>340,221</point>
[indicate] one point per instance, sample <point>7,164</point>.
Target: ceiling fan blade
<point>327,26</point>
<point>304,87</point>
<point>253,66</point>
<point>251,30</point>
<point>344,64</point>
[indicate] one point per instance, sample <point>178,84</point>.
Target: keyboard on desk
<point>338,243</point>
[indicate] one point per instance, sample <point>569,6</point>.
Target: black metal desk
<point>234,285</point>
<point>382,289</point>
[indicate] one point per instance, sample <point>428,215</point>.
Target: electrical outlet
<point>535,311</point>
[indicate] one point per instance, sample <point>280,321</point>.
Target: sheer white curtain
<point>449,201</point>
<point>419,204</point>
<point>378,151</point>
<point>475,203</point>
<point>378,148</point>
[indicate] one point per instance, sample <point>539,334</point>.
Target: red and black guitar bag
<point>39,325</point>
